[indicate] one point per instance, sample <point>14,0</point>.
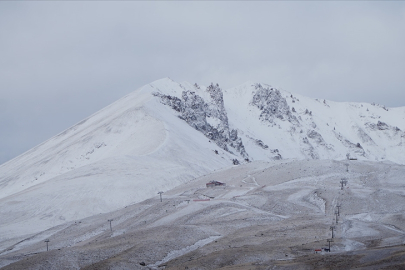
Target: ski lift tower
<point>160,193</point>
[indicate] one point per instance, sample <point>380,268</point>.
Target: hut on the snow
<point>214,183</point>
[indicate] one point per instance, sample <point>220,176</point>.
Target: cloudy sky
<point>62,61</point>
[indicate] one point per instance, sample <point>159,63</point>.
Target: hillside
<point>166,134</point>
<point>269,214</point>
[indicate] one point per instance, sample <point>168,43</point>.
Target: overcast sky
<point>62,61</point>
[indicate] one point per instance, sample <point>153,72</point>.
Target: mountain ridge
<point>281,109</point>
<point>147,142</point>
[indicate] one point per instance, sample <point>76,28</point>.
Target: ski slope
<point>138,146</point>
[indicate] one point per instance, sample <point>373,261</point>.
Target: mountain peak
<point>167,133</point>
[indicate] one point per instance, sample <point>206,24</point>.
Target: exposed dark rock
<point>365,137</point>
<point>196,112</point>
<point>277,154</point>
<point>173,102</point>
<point>379,126</point>
<point>351,146</point>
<point>309,150</point>
<point>312,134</point>
<point>272,105</point>
<point>233,135</point>
<point>261,144</point>
<point>382,126</point>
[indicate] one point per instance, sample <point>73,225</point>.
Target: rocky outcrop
<point>308,149</point>
<point>355,149</point>
<point>208,117</point>
<point>312,134</point>
<point>260,143</point>
<point>381,126</point>
<point>364,136</point>
<point>272,105</point>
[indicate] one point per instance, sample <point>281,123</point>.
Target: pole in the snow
<point>160,193</point>
<point>47,241</point>
<point>332,228</point>
<point>338,207</point>
<point>329,240</point>
<point>110,220</point>
<point>336,213</point>
<point>343,182</point>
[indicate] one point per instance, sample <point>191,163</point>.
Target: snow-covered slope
<point>300,127</point>
<point>257,122</point>
<point>123,154</point>
<point>270,215</point>
<point>167,133</point>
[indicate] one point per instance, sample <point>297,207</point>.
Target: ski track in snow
<point>177,253</point>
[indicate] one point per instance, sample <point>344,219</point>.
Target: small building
<point>215,184</point>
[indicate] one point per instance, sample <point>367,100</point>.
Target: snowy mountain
<point>258,122</point>
<point>166,133</point>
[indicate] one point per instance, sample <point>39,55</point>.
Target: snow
<point>104,163</point>
<point>285,205</point>
<point>330,118</point>
<point>132,149</point>
<point>177,253</point>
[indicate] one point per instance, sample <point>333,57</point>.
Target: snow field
<point>268,211</point>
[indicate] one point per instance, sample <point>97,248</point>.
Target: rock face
<point>209,117</point>
<point>272,105</point>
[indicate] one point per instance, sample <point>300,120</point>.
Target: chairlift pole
<point>110,220</point>
<point>332,228</point>
<point>338,207</point>
<point>343,181</point>
<point>329,240</point>
<point>47,241</point>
